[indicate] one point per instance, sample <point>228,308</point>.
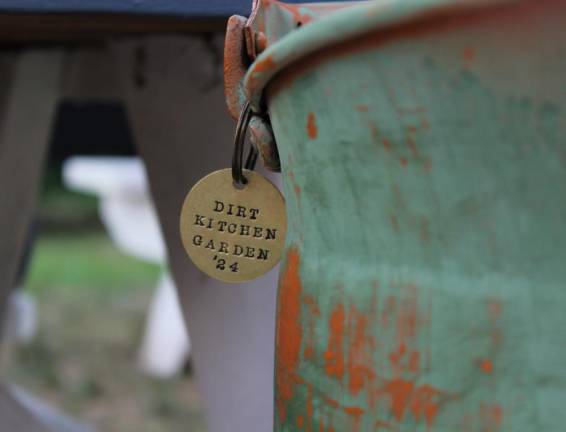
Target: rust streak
<point>486,366</point>
<point>334,355</point>
<point>312,129</point>
<point>491,417</point>
<point>359,356</point>
<point>289,331</point>
<point>265,65</point>
<point>356,414</point>
<point>423,402</point>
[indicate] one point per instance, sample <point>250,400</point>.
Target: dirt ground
<point>83,360</point>
<point>92,302</point>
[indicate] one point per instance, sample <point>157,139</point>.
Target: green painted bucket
<point>423,151</point>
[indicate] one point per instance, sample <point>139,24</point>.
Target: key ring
<point>239,142</point>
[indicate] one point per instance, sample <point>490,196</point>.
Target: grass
<point>74,250</point>
<point>92,302</point>
<point>88,260</point>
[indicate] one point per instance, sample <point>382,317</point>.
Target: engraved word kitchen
<point>236,236</point>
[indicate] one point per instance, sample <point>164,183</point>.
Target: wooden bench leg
<point>173,89</point>
<point>28,96</point>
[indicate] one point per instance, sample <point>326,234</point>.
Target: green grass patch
<point>86,260</point>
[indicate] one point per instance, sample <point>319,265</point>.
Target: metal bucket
<point>423,151</point>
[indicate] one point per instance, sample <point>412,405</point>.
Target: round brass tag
<point>232,234</point>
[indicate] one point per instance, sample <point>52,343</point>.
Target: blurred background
<point>85,301</point>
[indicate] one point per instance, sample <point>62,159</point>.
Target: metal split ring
<point>239,142</point>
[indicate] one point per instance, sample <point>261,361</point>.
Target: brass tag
<point>232,234</point>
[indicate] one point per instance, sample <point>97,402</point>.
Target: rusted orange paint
<point>334,354</point>
<point>296,187</point>
<point>234,68</point>
<point>313,312</point>
<point>362,108</point>
<point>423,402</point>
<point>289,331</point>
<point>310,302</point>
<point>355,414</point>
<point>491,417</point>
<point>265,65</point>
<point>403,161</point>
<point>486,366</point>
<point>399,392</point>
<point>262,66</point>
<point>349,354</point>
<point>312,129</point>
<point>386,144</point>
<point>359,352</point>
<point>396,358</point>
<point>426,403</point>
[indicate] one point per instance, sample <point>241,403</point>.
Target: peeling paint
<point>289,331</point>
<point>334,354</point>
<point>312,129</point>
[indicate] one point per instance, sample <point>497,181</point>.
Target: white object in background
<point>128,214</point>
<point>126,207</point>
<point>161,353</point>
<point>21,318</point>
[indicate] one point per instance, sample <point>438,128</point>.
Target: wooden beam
<point>25,28</point>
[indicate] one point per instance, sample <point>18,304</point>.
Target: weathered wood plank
<point>183,131</point>
<point>31,90</point>
<point>69,28</point>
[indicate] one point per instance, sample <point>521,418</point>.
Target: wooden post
<point>173,88</point>
<point>27,103</point>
